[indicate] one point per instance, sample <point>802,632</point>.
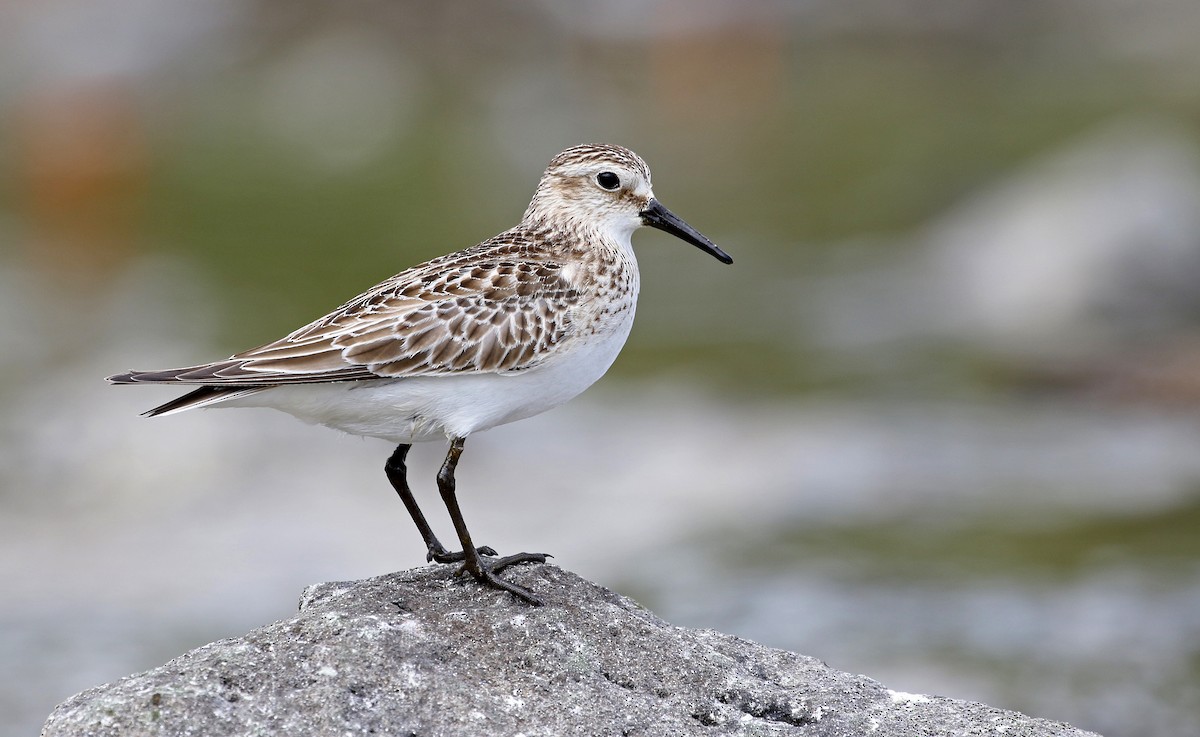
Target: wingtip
<point>145,377</point>
<point>203,396</point>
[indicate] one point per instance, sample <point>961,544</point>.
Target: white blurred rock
<point>1076,250</point>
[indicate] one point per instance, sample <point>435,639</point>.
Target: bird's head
<point>606,188</point>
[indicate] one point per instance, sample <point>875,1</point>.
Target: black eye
<point>608,180</point>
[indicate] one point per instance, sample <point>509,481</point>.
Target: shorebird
<point>495,333</point>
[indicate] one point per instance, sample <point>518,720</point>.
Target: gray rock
<point>423,653</point>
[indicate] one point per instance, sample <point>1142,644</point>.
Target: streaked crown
<point>589,155</point>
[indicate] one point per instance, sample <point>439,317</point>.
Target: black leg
<point>484,571</point>
<point>397,473</point>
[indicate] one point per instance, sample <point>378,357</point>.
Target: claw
<point>487,570</point>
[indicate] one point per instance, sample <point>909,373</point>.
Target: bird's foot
<point>484,570</point>
<point>441,555</point>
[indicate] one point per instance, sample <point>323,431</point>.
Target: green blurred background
<point>937,424</point>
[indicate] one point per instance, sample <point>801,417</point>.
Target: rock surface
<point>422,653</point>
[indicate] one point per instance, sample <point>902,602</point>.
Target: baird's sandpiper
<point>494,333</point>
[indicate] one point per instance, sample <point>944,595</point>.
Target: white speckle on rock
<point>411,626</point>
<point>409,675</point>
<point>518,620</point>
<point>327,670</point>
<point>902,697</point>
<point>512,701</point>
<point>816,715</point>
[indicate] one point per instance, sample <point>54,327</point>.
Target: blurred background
<point>939,423</point>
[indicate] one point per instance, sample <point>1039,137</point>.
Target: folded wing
<point>469,312</point>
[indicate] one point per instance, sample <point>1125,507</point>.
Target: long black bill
<point>657,216</point>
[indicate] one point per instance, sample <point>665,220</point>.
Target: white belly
<point>421,408</point>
